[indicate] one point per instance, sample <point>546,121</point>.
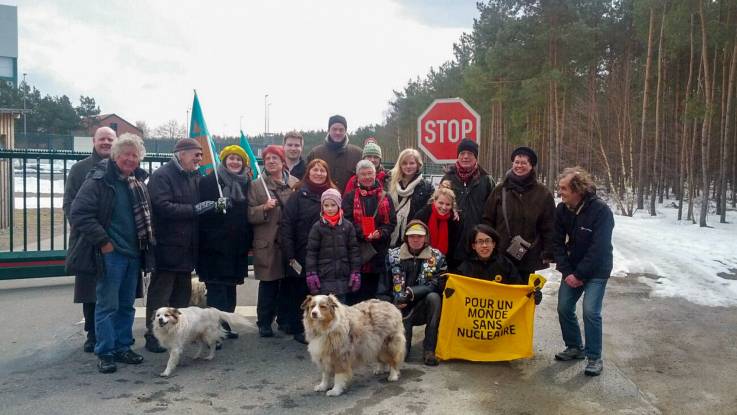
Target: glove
<point>223,204</point>
<point>538,295</point>
<point>404,296</point>
<point>355,282</point>
<point>313,283</point>
<point>204,207</point>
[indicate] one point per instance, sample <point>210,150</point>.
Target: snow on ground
<point>31,202</point>
<point>680,259</point>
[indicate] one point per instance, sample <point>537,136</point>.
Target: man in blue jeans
<point>112,215</point>
<point>583,254</point>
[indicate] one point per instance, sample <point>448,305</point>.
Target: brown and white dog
<point>177,327</point>
<point>342,338</point>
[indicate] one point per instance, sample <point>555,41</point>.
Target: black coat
<point>381,245</point>
<point>454,233</point>
<point>84,288</point>
<point>174,193</point>
<point>90,215</point>
<point>302,210</point>
<point>298,170</point>
<point>332,252</point>
<point>497,265</point>
<point>470,200</point>
<point>582,243</point>
<point>225,239</point>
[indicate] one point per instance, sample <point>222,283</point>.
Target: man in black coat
<point>84,287</point>
<point>582,248</point>
<point>174,191</point>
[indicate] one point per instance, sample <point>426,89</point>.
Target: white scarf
<point>403,207</point>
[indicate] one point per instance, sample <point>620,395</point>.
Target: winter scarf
<point>466,175</point>
<point>333,220</point>
<point>232,183</point>
<point>141,203</point>
<point>382,210</point>
<point>520,184</point>
<point>336,146</point>
<point>317,189</point>
<point>438,225</point>
<point>402,202</point>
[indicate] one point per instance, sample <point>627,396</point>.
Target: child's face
<point>330,207</point>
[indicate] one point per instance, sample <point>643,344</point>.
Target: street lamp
<point>266,114</point>
<point>240,123</point>
<point>186,123</point>
<point>24,103</point>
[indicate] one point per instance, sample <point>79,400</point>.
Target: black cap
<point>525,151</point>
<point>187,144</point>
<point>468,145</point>
<point>337,119</point>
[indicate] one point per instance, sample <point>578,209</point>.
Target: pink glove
<point>355,282</point>
<point>573,282</point>
<point>313,283</point>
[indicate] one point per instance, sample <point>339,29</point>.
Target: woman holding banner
<point>266,198</point>
<point>302,210</point>
<point>225,235</point>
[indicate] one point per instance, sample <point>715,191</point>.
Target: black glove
<point>403,297</point>
<point>538,295</point>
<point>204,207</point>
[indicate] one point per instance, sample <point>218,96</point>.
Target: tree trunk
<point>684,138</point>
<point>708,109</point>
<point>658,89</point>
<point>643,118</point>
<point>726,137</point>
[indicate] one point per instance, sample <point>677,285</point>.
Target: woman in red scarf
<point>444,224</point>
<point>372,213</point>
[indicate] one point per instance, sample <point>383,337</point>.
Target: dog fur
<point>199,293</point>
<point>342,338</point>
<point>177,327</point>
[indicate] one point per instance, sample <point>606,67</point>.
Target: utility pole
<point>266,114</point>
<point>186,123</point>
<point>24,103</point>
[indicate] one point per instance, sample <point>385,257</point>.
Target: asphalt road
<point>661,356</point>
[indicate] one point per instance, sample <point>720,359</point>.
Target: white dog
<point>199,293</point>
<point>177,327</point>
<point>342,338</point>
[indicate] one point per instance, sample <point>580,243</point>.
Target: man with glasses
<point>174,189</point>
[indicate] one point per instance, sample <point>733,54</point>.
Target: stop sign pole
<point>443,124</point>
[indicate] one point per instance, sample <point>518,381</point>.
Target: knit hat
<point>238,151</point>
<point>187,144</point>
<point>339,119</point>
<point>525,151</point>
<point>468,145</point>
<point>416,227</point>
<point>371,148</point>
<point>331,194</point>
<point>274,149</point>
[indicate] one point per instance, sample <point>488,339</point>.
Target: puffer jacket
<point>332,253</point>
<point>530,214</point>
<point>498,268</point>
<point>300,213</point>
<point>470,200</point>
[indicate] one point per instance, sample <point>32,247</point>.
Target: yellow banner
<point>486,321</point>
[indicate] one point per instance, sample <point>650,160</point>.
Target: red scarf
<point>466,175</point>
<point>438,225</point>
<point>359,214</point>
<point>334,220</point>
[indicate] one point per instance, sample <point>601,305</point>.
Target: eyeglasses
<point>484,242</point>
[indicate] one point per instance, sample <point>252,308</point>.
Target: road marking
<point>244,310</point>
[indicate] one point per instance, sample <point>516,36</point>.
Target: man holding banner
<point>414,282</point>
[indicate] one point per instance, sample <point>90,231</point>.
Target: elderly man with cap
<point>340,155</point>
<point>84,286</point>
<point>175,196</point>
<point>414,282</point>
<point>472,186</point>
<point>521,210</point>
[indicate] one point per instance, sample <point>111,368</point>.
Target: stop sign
<point>443,124</point>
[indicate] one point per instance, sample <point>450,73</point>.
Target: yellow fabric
<point>237,150</point>
<point>485,321</point>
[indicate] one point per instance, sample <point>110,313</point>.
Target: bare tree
<point>170,129</point>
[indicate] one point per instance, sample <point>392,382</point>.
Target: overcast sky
<point>142,60</point>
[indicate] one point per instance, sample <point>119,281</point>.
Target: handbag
<point>368,252</point>
<point>518,246</point>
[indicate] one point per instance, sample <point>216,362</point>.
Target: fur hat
<point>187,144</point>
<point>274,149</point>
<point>371,148</point>
<point>468,145</point>
<point>238,151</point>
<point>337,119</point>
<point>525,151</point>
<point>331,194</point>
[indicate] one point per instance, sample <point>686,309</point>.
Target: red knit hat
<point>276,150</point>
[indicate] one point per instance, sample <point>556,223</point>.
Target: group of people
<point>334,222</point>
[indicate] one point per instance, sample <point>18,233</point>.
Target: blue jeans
<point>593,296</point>
<point>114,313</point>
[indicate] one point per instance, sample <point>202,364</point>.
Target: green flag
<point>252,157</point>
<point>198,131</point>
